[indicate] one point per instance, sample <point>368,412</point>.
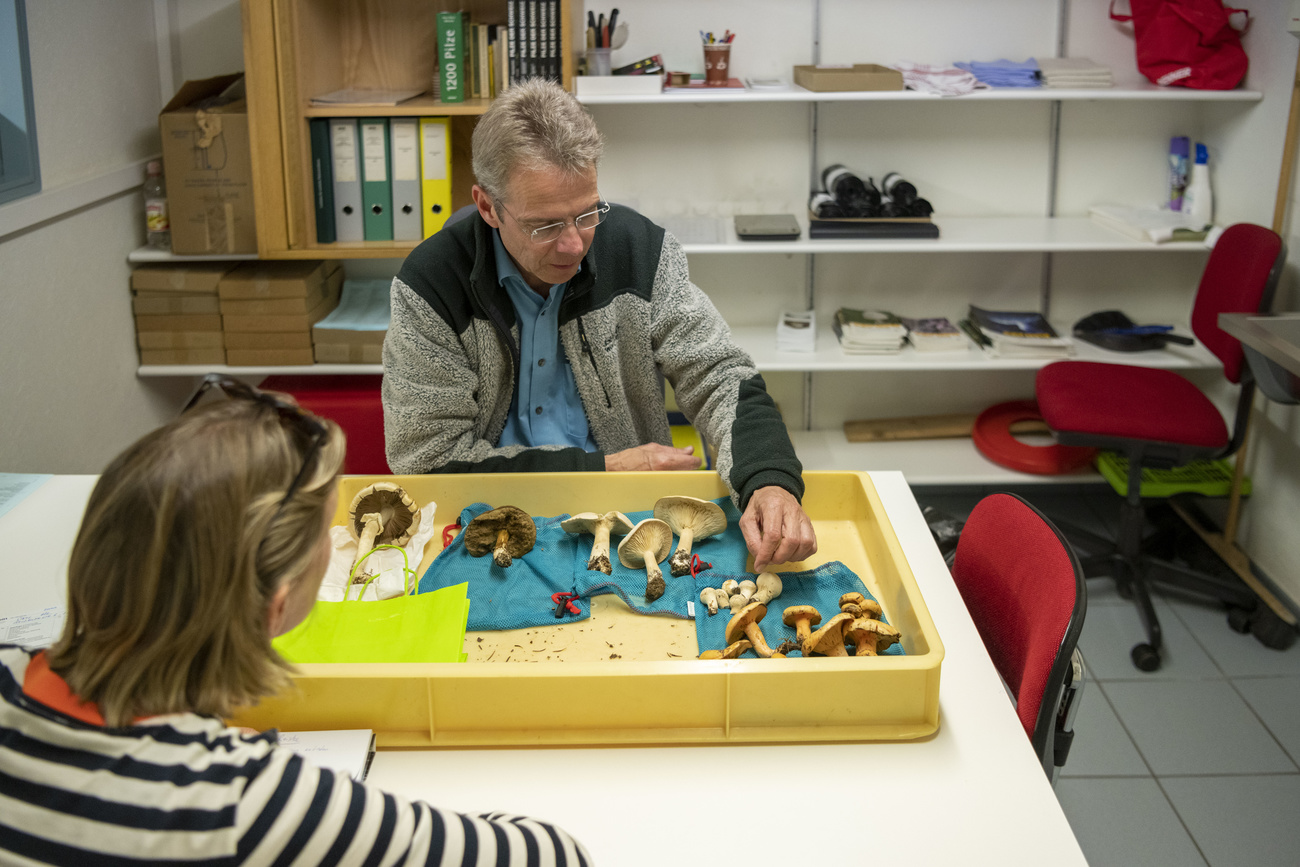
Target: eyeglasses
<point>548,233</point>
<point>307,426</point>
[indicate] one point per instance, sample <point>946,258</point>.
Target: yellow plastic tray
<point>623,678</point>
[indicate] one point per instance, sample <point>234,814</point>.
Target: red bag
<point>1188,43</point>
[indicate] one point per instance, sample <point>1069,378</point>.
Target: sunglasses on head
<point>310,428</point>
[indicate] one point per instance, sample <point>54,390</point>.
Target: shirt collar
<point>506,268</point>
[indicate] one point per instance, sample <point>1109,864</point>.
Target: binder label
<point>435,152</point>
<point>344,147</point>
<point>406,155</point>
<point>372,151</point>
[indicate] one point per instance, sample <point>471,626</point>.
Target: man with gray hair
<point>535,335</point>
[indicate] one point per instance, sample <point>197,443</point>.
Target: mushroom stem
<point>654,577</point>
<point>755,636</point>
<point>680,563</point>
<point>599,560</point>
<point>367,541</point>
<point>500,555</point>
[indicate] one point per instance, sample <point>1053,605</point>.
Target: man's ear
<point>275,612</point>
<point>484,205</point>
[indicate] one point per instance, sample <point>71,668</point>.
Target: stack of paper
<point>869,332</point>
<point>796,331</point>
<point>1019,334</point>
<point>1073,72</point>
<point>936,334</point>
<point>1148,224</point>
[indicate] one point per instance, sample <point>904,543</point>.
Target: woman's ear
<point>275,614</point>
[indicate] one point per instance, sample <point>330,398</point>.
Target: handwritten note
<point>347,750</point>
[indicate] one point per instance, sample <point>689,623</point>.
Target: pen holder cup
<point>717,64</point>
<point>598,61</point>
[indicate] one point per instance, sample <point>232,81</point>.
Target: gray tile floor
<point>1194,764</point>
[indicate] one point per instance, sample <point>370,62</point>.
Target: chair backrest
<point>1024,589</point>
<point>1239,277</point>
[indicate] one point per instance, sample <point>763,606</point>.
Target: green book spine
<point>322,180</point>
<point>451,57</point>
<point>376,180</point>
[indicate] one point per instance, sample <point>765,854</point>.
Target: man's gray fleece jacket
<point>451,361</point>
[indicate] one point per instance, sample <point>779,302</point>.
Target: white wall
<point>70,395</point>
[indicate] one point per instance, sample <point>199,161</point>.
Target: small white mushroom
<point>709,596</point>
<point>724,598</point>
<point>730,587</point>
<point>737,602</point>
<point>748,589</point>
<point>769,587</point>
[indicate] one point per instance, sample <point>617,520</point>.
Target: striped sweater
<point>186,789</point>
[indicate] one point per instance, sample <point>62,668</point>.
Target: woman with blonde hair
<point>201,542</point>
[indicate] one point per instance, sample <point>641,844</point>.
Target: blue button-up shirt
<point>545,409</point>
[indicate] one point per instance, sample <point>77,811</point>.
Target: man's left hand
<point>775,528</point>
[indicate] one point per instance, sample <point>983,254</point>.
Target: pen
<point>613,19</point>
<point>600,32</point>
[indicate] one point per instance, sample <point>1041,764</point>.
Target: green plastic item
<point>427,627</point>
<point>1208,478</point>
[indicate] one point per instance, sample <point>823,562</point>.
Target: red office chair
<point>1026,592</point>
<point>1158,419</point>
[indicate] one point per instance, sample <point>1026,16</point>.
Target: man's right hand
<point>653,456</point>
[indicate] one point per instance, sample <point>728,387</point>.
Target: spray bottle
<point>1198,201</point>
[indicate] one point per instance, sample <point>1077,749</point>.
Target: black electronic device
<point>767,227</point>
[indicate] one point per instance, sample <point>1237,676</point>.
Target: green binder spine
<point>376,180</point>
<point>451,57</point>
<point>322,180</point>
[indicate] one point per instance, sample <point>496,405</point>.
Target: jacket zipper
<point>591,356</point>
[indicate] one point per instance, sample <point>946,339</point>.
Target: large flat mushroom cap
<point>751,613</point>
<point>830,635</point>
<point>886,635</point>
<point>650,535</point>
<point>702,517</point>
<point>583,522</point>
<point>397,512</point>
<point>481,534</point>
<point>797,612</point>
<point>619,524</point>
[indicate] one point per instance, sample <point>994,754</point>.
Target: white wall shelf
<point>151,370</point>
<point>148,255</point>
<point>794,93</point>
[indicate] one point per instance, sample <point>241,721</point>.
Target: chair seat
<point>1126,402</point>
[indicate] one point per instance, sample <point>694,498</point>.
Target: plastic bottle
<point>1178,151</point>
<point>157,227</point>
<point>1198,201</point>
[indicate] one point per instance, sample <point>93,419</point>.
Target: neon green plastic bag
<point>426,627</point>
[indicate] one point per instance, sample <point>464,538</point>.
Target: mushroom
<point>732,651</point>
<point>645,545</point>
<point>745,622</point>
<point>870,608</point>
<point>871,637</point>
<point>737,601</point>
<point>709,596</point>
<point>724,598</point>
<point>852,597</point>
<point>381,514</point>
<point>803,618</point>
<point>769,587</point>
<point>748,589</point>
<point>731,586</point>
<point>506,531</point>
<point>829,640</point>
<point>690,518</point>
<point>600,526</point>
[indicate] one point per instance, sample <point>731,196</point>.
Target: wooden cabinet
<point>297,49</point>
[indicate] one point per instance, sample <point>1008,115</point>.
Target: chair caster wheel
<point>1145,657</point>
<point>1239,619</point>
<point>1272,631</point>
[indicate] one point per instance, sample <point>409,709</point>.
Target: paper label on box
<point>406,156</point>
<point>372,151</point>
<point>344,149</point>
<point>435,152</point>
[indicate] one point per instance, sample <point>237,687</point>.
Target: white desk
<point>972,794</point>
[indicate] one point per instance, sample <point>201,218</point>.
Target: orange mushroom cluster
<point>857,624</point>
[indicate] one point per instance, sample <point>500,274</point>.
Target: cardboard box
<point>180,339</point>
<point>349,353</point>
<point>196,322</point>
<point>182,356</point>
<point>280,279</point>
<point>166,303</point>
<point>344,335</point>
<point>859,76</point>
<point>288,322</point>
<point>208,166</point>
<point>257,357</point>
<point>268,340</point>
<point>193,279</point>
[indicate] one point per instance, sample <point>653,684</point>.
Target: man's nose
<point>570,241</point>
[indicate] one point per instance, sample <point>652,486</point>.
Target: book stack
<point>796,331</point>
<point>474,60</point>
<point>935,334</point>
<point>178,313</point>
<point>268,309</point>
<point>354,332</point>
<point>533,35</point>
<point>869,332</point>
<point>1018,334</point>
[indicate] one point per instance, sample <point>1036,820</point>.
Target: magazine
<point>873,332</point>
<point>934,334</point>
<point>1020,333</point>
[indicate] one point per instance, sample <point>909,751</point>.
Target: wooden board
<point>911,427</point>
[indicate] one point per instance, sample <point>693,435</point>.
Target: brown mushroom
<point>600,526</point>
<point>803,618</point>
<point>506,531</point>
<point>745,622</point>
<point>732,650</point>
<point>871,637</point>
<point>381,514</point>
<point>769,587</point>
<point>852,597</point>
<point>869,608</point>
<point>646,545</point>
<point>829,640</point>
<point>690,518</point>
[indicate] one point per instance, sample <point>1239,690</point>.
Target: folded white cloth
<point>387,563</point>
<point>943,80</point>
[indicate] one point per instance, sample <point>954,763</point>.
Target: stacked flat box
<point>178,313</point>
<point>268,309</point>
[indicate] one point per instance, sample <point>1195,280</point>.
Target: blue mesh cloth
<point>520,596</point>
<point>821,588</point>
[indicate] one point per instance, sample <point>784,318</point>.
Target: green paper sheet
<point>428,627</point>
